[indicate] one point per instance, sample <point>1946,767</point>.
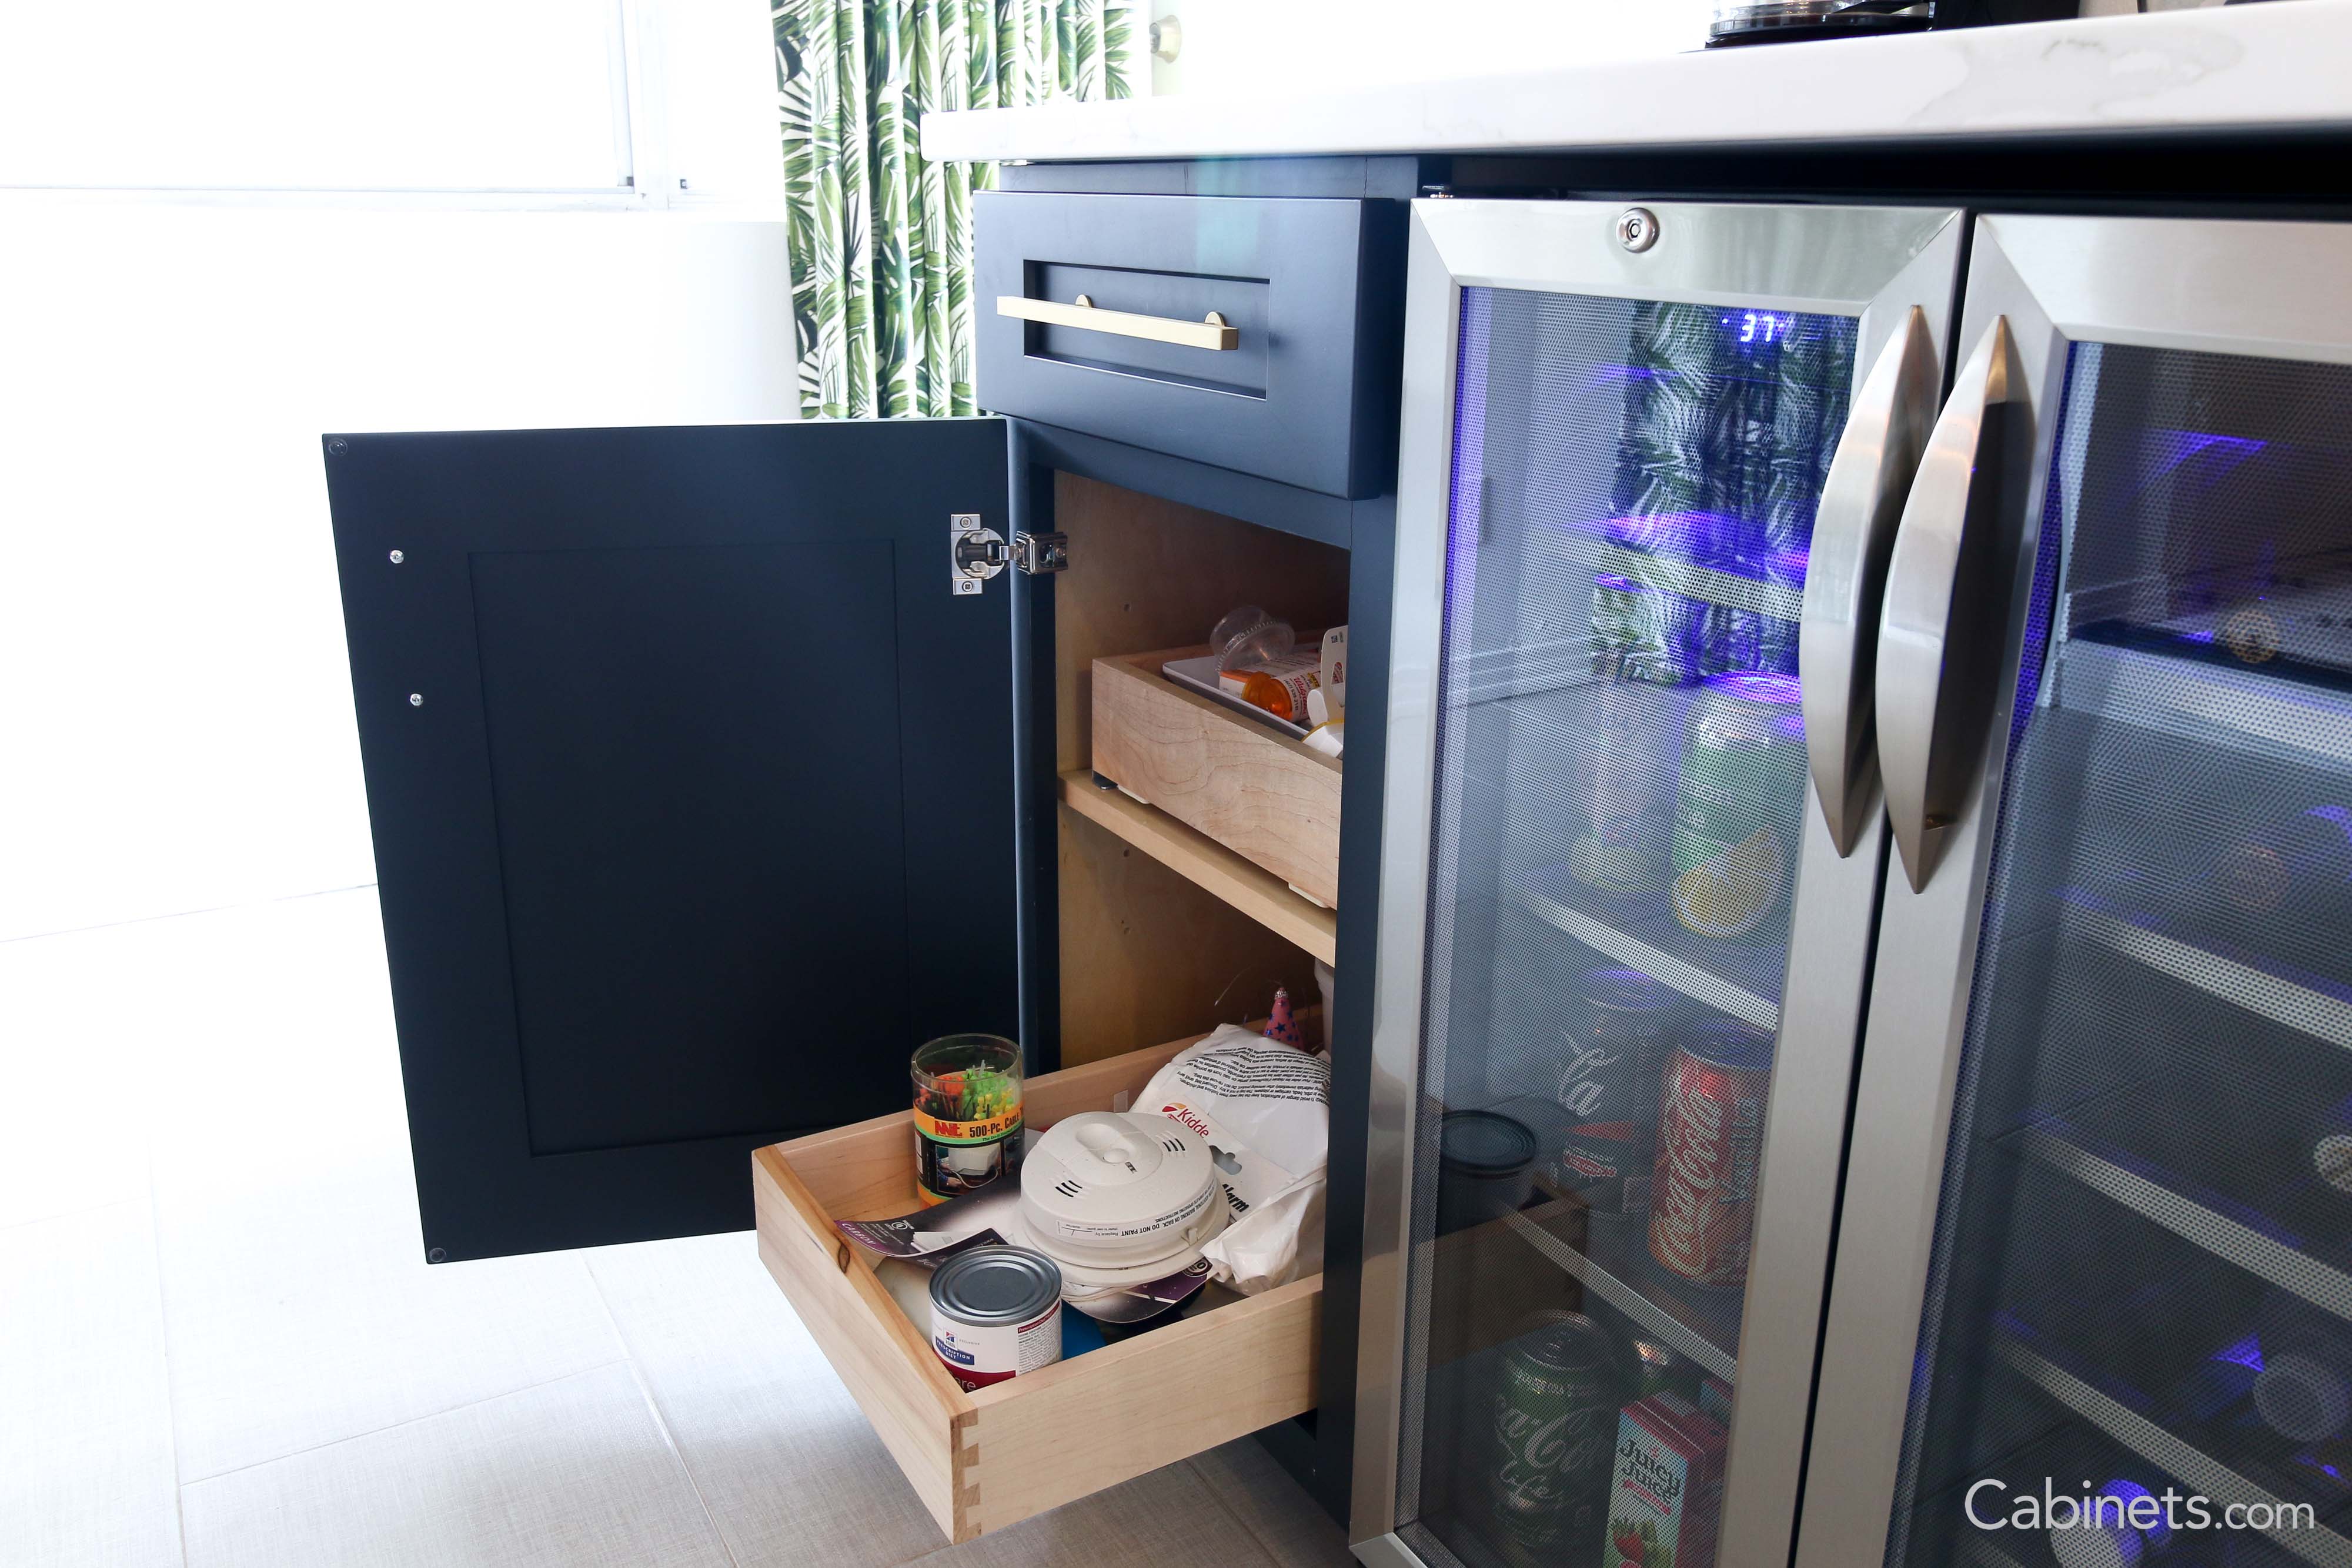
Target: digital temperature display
<point>1758,326</point>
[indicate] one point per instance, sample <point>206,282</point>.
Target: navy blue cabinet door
<point>692,789</point>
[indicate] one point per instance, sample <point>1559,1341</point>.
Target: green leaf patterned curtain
<point>880,239</point>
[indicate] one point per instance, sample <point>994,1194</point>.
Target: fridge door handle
<point>1853,533</point>
<point>1944,608</point>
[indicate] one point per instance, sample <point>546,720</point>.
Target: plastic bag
<point>1265,1109</point>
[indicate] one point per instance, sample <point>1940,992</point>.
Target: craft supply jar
<point>967,1113</point>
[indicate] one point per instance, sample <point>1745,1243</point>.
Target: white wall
<point>1283,48</point>
<point>175,716</point>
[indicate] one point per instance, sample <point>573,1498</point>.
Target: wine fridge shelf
<point>1626,1298</point>
<point>1700,985</point>
<point>1676,574</point>
<point>2183,1462</point>
<point>2241,711</point>
<point>2327,1287</point>
<point>2303,1008</point>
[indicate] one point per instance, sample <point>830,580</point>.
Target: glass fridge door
<point>1621,855</point>
<point>2134,1339</point>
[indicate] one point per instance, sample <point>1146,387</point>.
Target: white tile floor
<point>220,1349</point>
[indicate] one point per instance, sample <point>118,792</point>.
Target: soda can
<point>1554,1428</point>
<point>1710,1143</point>
<point>1737,806</point>
<point>1624,783</point>
<point>1624,786</point>
<point>1658,1368</point>
<point>1609,1086</point>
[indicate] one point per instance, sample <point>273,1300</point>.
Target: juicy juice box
<point>1714,1400</point>
<point>1668,1491</point>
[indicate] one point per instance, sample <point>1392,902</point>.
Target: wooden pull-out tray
<point>1251,788</point>
<point>983,1460</point>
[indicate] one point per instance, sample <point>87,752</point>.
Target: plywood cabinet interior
<point>1147,953</point>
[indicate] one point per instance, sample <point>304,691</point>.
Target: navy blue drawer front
<point>1307,395</point>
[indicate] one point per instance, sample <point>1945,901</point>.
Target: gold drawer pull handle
<point>1210,333</point>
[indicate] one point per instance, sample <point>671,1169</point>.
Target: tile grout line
<point>163,1349</point>
<point>83,1212</point>
<point>182,914</point>
<point>1191,1462</point>
<point>1209,1485</point>
<point>408,1421</point>
<point>652,1407</point>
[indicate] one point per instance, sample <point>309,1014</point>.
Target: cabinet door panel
<point>690,783</point>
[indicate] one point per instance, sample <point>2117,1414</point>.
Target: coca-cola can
<point>1607,1084</point>
<point>1710,1140</point>
<point>1554,1404</point>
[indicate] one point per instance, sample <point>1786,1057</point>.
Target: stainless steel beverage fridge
<point>1653,461</point>
<point>2092,1287</point>
<point>1864,1052</point>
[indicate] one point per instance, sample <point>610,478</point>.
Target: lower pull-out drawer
<point>983,1460</point>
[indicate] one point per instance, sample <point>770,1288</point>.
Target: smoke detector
<point>1119,1198</point>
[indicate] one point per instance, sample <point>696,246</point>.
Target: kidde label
<point>978,1355</point>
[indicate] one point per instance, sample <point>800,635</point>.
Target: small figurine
<point>1282,1026</point>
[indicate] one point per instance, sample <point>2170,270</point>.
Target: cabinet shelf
<point>1208,865</point>
<point>2182,1460</point>
<point>2323,1015</point>
<point>2321,1284</point>
<point>1626,1298</point>
<point>1544,897</point>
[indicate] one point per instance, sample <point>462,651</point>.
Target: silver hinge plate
<point>1040,553</point>
<point>975,553</point>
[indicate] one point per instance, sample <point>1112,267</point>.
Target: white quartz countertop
<point>2247,67</point>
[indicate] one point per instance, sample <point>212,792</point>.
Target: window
<point>564,99</point>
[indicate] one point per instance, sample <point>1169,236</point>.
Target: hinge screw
<point>416,699</point>
<point>436,1256</point>
<point>397,557</point>
<point>338,446</point>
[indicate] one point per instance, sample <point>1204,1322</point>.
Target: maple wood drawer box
<point>1300,385</point>
<point>1252,789</point>
<point>985,1460</point>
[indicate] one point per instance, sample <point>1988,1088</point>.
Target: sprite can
<point>1738,805</point>
<point>1554,1433</point>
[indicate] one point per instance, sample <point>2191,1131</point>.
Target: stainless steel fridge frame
<point>2035,286</point>
<point>1896,269</point>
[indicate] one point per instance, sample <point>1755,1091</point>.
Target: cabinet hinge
<point>1038,553</point>
<point>975,553</point>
